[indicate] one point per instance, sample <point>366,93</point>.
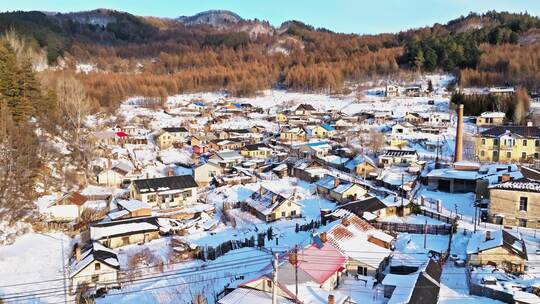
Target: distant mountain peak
<point>215,18</point>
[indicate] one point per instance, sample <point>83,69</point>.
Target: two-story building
<point>508,144</point>
<point>170,136</point>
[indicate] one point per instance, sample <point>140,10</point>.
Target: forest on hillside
<point>159,57</point>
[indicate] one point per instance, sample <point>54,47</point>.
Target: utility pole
<point>63,267</point>
<point>274,279</point>
<point>425,234</point>
<point>402,190</point>
<point>296,270</point>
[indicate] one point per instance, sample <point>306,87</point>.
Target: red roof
<point>77,198</point>
<point>321,263</point>
<point>121,134</point>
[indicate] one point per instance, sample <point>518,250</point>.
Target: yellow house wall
<point>486,144</point>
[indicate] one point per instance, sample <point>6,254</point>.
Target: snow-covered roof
<point>351,238</point>
<point>118,228</point>
<point>250,296</point>
<point>311,257</point>
<point>95,252</point>
<point>493,114</point>
<point>481,241</point>
<point>522,184</point>
<point>132,205</point>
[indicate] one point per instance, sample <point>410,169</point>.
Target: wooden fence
<point>437,216</point>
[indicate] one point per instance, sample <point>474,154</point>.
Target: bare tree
<point>376,141</point>
<point>74,105</point>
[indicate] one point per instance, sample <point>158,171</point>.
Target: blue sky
<point>350,16</point>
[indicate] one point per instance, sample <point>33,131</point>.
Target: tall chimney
<point>459,135</point>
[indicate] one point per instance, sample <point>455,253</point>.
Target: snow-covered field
<point>31,270</point>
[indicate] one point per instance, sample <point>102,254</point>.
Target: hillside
<point>217,50</point>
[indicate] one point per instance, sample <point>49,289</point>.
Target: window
<point>523,201</point>
<point>523,155</point>
<point>496,141</point>
<point>509,154</point>
<point>269,283</point>
<point>522,222</point>
<point>536,155</point>
<point>283,213</point>
<point>362,270</point>
<point>95,278</point>
<point>537,143</point>
<point>97,266</point>
<point>524,142</point>
<point>482,153</point>
<point>125,240</point>
<point>483,141</point>
<point>293,213</point>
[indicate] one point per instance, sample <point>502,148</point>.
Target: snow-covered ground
<point>31,270</point>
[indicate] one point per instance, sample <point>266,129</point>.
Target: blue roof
<point>318,143</point>
<point>199,103</point>
<point>328,127</point>
<point>238,105</point>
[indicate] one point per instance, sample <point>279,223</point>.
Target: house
<point>499,248</point>
<point>128,209</point>
<point>402,128</point>
<point>94,266</point>
<point>256,151</point>
<point>391,91</point>
<point>308,170</point>
<point>439,118</point>
<point>421,286</point>
<point>304,109</point>
<point>373,207</point>
<point>323,131</point>
<point>316,149</point>
<point>508,144</point>
<point>367,249</point>
<point>293,134</point>
<point>361,165</point>
<point>227,159</point>
<point>118,233</point>
<point>515,202</point>
<point>165,192</point>
<point>204,173</point>
<point>343,124</point>
<point>169,136</point>
<point>116,175</point>
<point>66,208</point>
<point>339,190</point>
<point>413,90</point>
<point>269,206</point>
<point>464,176</point>
<point>225,145</point>
<point>413,118</point>
<point>281,117</point>
<point>490,119</point>
<point>399,157</point>
<point>316,282</point>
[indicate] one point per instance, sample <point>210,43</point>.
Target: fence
<point>437,216</point>
<point>483,291</point>
<point>414,228</point>
<point>212,253</point>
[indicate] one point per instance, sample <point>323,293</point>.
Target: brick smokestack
<point>459,135</point>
